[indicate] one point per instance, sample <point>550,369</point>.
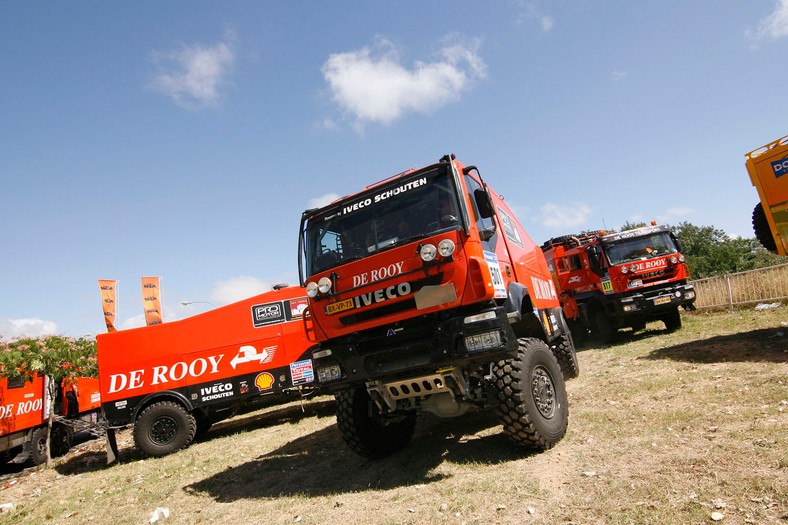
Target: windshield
<point>391,214</point>
<point>641,248</point>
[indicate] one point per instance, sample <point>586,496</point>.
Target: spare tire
<point>761,227</point>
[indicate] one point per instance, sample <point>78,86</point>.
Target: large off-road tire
<point>530,396</point>
<point>603,328</point>
<point>366,431</point>
<point>760,226</point>
<point>38,448</point>
<point>566,356</point>
<point>672,320</point>
<point>163,428</point>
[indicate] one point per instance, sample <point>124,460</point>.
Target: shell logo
<point>264,381</point>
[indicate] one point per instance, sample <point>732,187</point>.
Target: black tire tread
<point>140,430</point>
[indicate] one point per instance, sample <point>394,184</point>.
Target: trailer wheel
<point>38,448</point>
<point>672,320</point>
<point>530,396</point>
<point>760,226</point>
<point>603,329</point>
<point>566,356</point>
<point>163,428</point>
<point>366,431</point>
<point>62,437</point>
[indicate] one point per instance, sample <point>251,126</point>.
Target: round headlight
<point>324,285</point>
<point>446,247</point>
<point>633,268</point>
<point>682,258</point>
<point>427,252</point>
<point>311,289</point>
<point>674,259</point>
<point>624,269</point>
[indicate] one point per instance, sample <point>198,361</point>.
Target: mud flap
<point>112,447</point>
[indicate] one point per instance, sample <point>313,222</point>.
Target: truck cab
<point>416,284</point>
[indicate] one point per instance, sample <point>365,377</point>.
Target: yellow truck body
<point>768,169</point>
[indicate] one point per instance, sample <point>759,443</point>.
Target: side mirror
<point>483,203</point>
<point>595,259</point>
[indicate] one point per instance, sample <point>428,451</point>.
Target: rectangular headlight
<point>486,316</point>
<point>630,307</point>
<point>484,341</point>
<point>329,373</point>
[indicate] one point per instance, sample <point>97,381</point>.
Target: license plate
<point>341,306</point>
<point>661,300</point>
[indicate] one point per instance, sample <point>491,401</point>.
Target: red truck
<point>608,281</point>
<point>426,294</point>
<point>173,380</point>
<point>24,417</point>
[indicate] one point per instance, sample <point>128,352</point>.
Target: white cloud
<point>530,11</point>
<point>133,322</point>
<point>675,215</point>
<point>559,217</point>
<point>193,75</point>
<point>238,288</point>
<point>323,200</point>
<point>618,76</point>
<point>372,85</point>
<point>34,327</point>
<point>773,26</point>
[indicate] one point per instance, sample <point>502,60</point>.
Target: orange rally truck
<point>173,380</point>
<point>24,417</point>
<point>768,170</point>
<point>426,294</point>
<point>607,281</point>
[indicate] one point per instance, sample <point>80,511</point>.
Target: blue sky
<point>184,139</point>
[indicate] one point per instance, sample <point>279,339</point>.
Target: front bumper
<point>652,303</point>
<point>415,347</point>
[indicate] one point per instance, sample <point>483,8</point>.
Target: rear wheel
<point>368,432</point>
<point>531,396</point>
<point>62,437</point>
<point>566,356</point>
<point>760,226</point>
<point>163,428</point>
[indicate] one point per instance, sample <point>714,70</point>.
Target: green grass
<point>664,429</point>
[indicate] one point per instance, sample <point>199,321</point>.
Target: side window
<point>16,382</point>
<point>575,263</point>
<point>481,224</point>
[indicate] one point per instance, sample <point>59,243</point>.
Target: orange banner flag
<point>108,297</point>
<point>151,300</point>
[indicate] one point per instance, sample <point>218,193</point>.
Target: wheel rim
<point>41,446</point>
<point>543,391</point>
<point>163,430</point>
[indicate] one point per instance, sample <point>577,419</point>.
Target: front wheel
<point>366,431</point>
<point>38,448</point>
<point>603,328</point>
<point>530,396</point>
<point>163,428</point>
<point>672,320</point>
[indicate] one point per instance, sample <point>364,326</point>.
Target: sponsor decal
<point>249,354</point>
<point>543,289</point>
<point>637,283</point>
<point>95,397</point>
<point>510,228</point>
<point>575,279</point>
<point>301,372</point>
<point>780,167</point>
<point>297,307</point>
<point>164,373</point>
<point>383,195</point>
<point>20,409</point>
<point>269,313</point>
<point>264,381</point>
<point>393,331</point>
<point>495,273</point>
<point>650,265</point>
<point>121,404</point>
<point>243,387</point>
<point>384,272</point>
<point>216,391</point>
